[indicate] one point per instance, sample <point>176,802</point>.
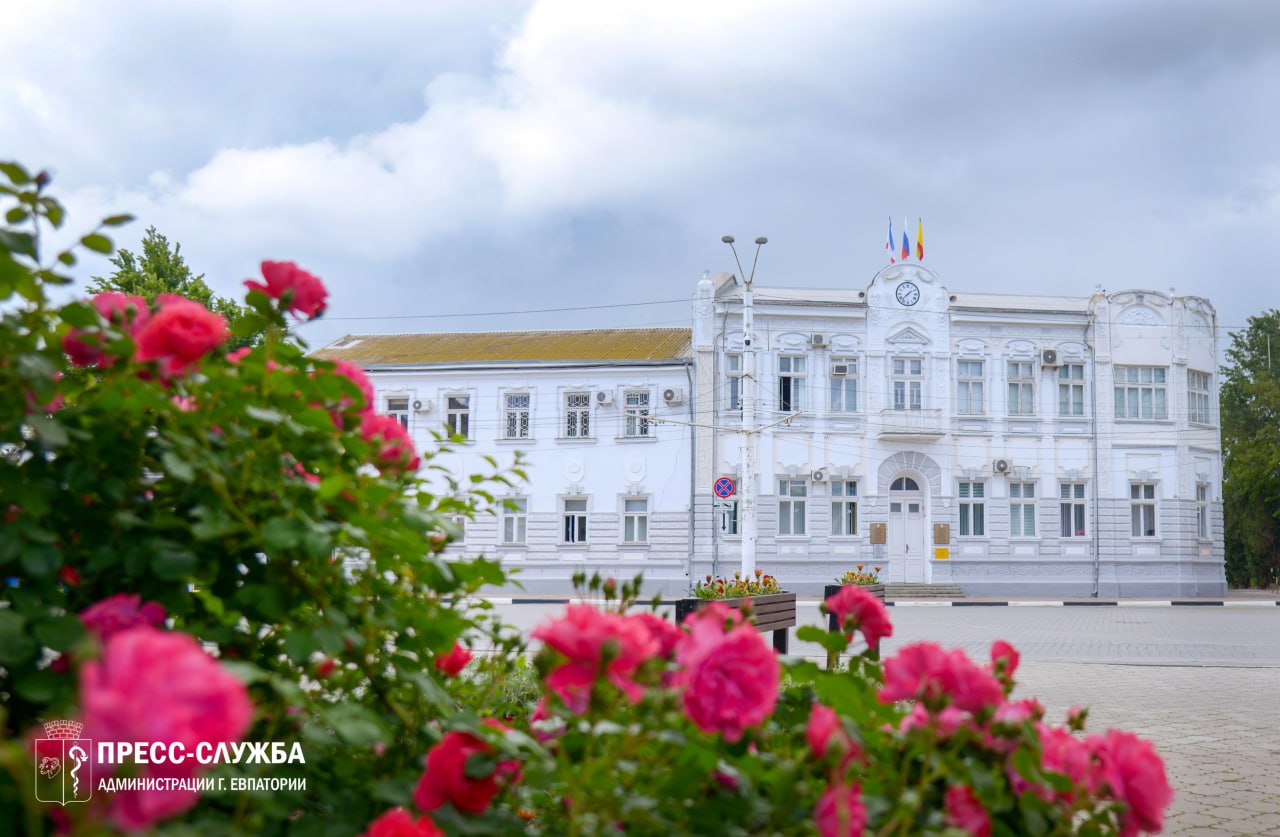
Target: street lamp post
<point>747,484</point>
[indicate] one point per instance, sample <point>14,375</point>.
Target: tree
<point>161,269</point>
<point>1251,452</point>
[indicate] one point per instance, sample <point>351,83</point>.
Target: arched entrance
<point>906,531</point>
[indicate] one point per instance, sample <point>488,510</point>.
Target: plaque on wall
<point>878,533</point>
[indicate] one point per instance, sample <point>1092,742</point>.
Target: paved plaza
<point>1202,683</point>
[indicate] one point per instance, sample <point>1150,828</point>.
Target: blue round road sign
<point>724,487</point>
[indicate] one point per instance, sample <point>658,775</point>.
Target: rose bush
<point>206,545</point>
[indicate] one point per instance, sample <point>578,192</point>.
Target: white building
<point>608,485</point>
<point>1068,444</point>
<point>1014,445</point>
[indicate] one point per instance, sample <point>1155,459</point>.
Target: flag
<point>920,239</point>
<point>906,246</point>
<point>888,244</point>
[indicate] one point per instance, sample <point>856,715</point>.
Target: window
<point>1140,392</point>
<point>635,520</point>
<point>904,484</point>
<point>1198,397</point>
<point>969,387</point>
<point>844,385</point>
<point>517,415</point>
<point>908,380</point>
<point>398,409</point>
<point>972,509</point>
<point>515,519</point>
<point>577,415</point>
<point>1022,509</point>
<point>1142,508</point>
<point>790,384</point>
<point>733,379</point>
<point>844,507</point>
<point>1071,510</point>
<point>1022,388</point>
<point>457,416</point>
<point>728,511</point>
<point>637,413</point>
<point>575,520</point>
<point>1202,509</point>
<point>1071,389</point>
<point>791,499</point>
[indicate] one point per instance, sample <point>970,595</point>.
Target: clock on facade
<point>908,293</point>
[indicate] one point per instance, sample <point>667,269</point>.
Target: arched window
<point>904,484</point>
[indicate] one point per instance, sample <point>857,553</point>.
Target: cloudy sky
<point>475,156</point>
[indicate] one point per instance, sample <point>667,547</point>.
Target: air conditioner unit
<point>818,476</point>
<point>1049,357</point>
<point>422,406</point>
<point>673,395</point>
<point>1001,466</point>
<point>817,340</point>
<point>604,399</point>
<point>840,370</point>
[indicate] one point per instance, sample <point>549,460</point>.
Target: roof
<point>612,344</point>
<point>852,297</point>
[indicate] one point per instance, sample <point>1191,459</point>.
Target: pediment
<point>908,335</point>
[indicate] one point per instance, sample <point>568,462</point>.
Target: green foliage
<point>190,492</point>
<point>162,269</point>
<point>1250,399</point>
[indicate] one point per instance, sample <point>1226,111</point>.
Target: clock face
<point>908,293</point>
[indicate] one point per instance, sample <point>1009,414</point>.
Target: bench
<point>774,612</point>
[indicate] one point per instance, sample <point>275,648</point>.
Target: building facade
<point>609,476</point>
<point>1013,445</point>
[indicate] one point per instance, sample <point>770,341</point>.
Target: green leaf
<point>282,534</point>
<point>97,242</point>
<point>177,467</point>
<point>834,643</point>
<point>16,215</point>
<point>116,220</point>
<point>18,242</point>
<point>79,315</point>
<point>61,632</point>
<point>173,564</point>
<point>355,725</point>
<point>265,414</point>
<point>40,560</point>
<point>38,686</point>
<point>17,175</point>
<point>480,766</point>
<point>299,645</point>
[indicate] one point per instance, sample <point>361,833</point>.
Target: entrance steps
<point>923,591</point>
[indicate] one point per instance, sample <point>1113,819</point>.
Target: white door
<point>906,533</point>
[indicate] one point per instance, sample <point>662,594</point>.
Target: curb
<point>557,600</point>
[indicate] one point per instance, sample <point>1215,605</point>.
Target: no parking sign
<point>724,488</point>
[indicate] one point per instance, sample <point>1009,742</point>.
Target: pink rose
<point>394,445</point>
<point>1004,662</point>
<point>944,723</point>
<point>730,678</point>
<point>301,292</point>
<point>966,813</point>
<point>1062,752</point>
<point>239,354</point>
<point>120,612</point>
<point>825,731</point>
<point>840,812</point>
<point>583,635</point>
<point>128,312</point>
<point>664,633</point>
<point>180,333</point>
<point>855,608</point>
<point>400,823</point>
<point>1130,772</point>
<point>924,671</point>
<point>451,663</point>
<point>158,686</point>
<point>445,778</point>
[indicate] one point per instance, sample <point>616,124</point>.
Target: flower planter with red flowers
<point>769,612</point>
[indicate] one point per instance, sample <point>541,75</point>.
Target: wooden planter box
<point>876,590</point>
<point>775,612</point>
